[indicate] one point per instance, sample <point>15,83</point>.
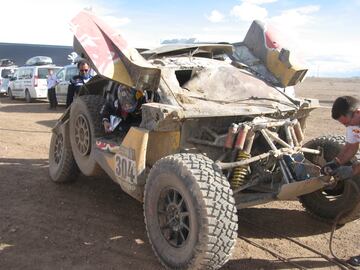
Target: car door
<point>18,82</point>
<point>27,82</point>
<point>61,87</point>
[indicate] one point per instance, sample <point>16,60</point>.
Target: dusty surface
<point>92,224</point>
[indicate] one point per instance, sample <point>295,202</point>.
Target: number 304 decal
<point>125,169</point>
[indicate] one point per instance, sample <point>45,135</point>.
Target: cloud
<point>249,12</point>
<point>115,22</point>
<point>260,2</point>
<point>295,18</point>
<point>215,16</point>
<point>52,25</point>
<point>294,25</point>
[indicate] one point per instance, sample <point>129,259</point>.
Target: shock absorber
<point>240,172</point>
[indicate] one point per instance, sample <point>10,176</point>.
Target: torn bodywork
<point>218,130</point>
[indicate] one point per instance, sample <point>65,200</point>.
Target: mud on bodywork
<point>218,132</point>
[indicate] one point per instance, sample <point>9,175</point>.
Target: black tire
<point>10,94</point>
<point>188,186</point>
<point>343,198</point>
<point>85,126</point>
<point>62,165</point>
<point>28,98</point>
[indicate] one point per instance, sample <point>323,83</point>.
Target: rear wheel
<point>85,127</point>
<point>62,165</point>
<point>27,96</point>
<point>190,213</point>
<point>343,198</point>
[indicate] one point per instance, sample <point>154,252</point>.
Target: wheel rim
<point>334,192</point>
<point>82,135</point>
<point>59,146</point>
<point>173,217</point>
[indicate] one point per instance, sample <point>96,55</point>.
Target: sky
<point>323,35</point>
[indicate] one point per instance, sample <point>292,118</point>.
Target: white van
<point>29,82</point>
<point>5,74</point>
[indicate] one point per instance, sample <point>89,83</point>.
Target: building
<point>19,53</point>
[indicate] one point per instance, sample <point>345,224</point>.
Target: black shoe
<point>354,261</point>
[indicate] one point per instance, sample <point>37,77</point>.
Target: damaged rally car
<point>217,132</point>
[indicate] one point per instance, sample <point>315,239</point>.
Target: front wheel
<point>343,198</point>
<point>190,213</point>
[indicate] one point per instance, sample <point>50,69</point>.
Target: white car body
<point>64,76</point>
<point>30,82</point>
<point>5,72</point>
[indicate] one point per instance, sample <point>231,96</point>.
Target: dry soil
<point>93,224</point>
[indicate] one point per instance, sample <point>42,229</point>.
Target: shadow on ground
<point>308,263</point>
<point>20,106</point>
<point>290,223</point>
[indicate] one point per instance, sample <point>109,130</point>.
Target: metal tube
<point>298,132</point>
<point>278,153</point>
<point>277,139</point>
<point>310,151</point>
<point>288,136</point>
<point>271,144</point>
<point>266,124</point>
<point>230,165</point>
<point>293,135</point>
<point>285,171</point>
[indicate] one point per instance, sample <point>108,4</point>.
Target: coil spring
<point>239,173</point>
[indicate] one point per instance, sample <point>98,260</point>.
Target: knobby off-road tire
<point>85,127</point>
<point>62,165</point>
<point>344,198</point>
<point>190,213</point>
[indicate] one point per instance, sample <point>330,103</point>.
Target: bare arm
<point>356,169</point>
<point>347,153</point>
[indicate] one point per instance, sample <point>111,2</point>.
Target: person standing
<point>346,110</point>
<point>51,83</point>
<point>77,81</point>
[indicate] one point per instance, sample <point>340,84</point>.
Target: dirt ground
<point>92,224</point>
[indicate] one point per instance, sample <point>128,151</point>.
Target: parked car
<point>64,76</point>
<point>5,74</point>
<point>30,82</point>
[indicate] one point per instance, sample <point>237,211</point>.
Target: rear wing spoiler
<point>260,52</point>
<point>109,54</point>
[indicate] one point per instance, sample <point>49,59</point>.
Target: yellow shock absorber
<point>239,173</point>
